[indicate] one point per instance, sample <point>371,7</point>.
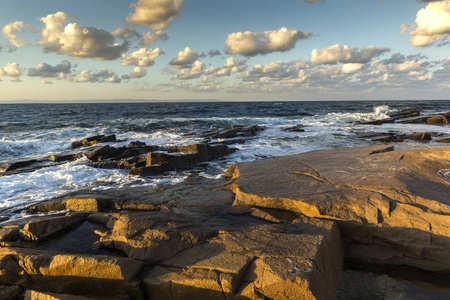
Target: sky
<point>241,50</point>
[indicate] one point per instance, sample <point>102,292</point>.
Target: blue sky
<point>225,50</point>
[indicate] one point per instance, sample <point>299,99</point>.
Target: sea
<point>34,131</point>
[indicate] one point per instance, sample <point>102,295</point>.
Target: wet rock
<point>98,139</point>
<point>437,120</point>
<point>404,113</point>
<point>392,207</point>
<point>11,166</point>
<point>136,144</point>
<point>40,229</point>
<point>296,128</point>
<point>187,156</point>
<point>425,136</point>
<point>64,157</point>
<point>443,140</point>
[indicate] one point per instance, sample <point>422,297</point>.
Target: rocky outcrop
<point>93,140</point>
<point>411,116</point>
<point>392,207</point>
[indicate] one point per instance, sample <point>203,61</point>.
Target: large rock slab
<point>291,261</point>
<point>392,206</point>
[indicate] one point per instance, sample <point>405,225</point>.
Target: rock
<point>392,207</point>
<point>426,136</point>
<point>227,134</point>
<point>387,139</point>
<point>159,236</point>
<point>404,113</point>
<point>64,157</point>
<point>7,167</point>
<point>136,144</point>
<point>267,261</point>
<point>96,275</point>
<point>158,162</point>
<point>296,128</point>
<point>102,153</point>
<point>443,140</point>
<point>73,204</point>
<point>10,292</point>
<point>9,233</point>
<point>98,139</point>
<point>413,120</point>
<point>37,295</point>
<point>41,229</point>
<point>437,120</point>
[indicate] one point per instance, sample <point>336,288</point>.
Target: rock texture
<point>392,206</point>
<point>274,229</point>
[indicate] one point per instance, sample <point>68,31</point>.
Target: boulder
<point>437,120</point>
<point>404,113</point>
<point>9,233</point>
<point>392,207</point>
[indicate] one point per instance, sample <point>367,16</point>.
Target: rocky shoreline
<point>279,228</point>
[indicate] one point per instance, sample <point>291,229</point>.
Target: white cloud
<point>10,32</point>
<point>126,33</point>
<point>274,71</point>
<point>155,13</point>
<point>138,72</point>
<point>51,71</point>
<point>12,70</point>
<point>142,57</point>
<point>78,41</point>
<point>344,69</point>
<point>103,75</point>
<point>338,53</point>
<point>253,43</point>
<point>151,37</point>
<point>185,58</point>
<point>189,73</point>
<point>432,24</point>
<point>231,66</point>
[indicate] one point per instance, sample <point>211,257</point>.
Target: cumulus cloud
<point>253,43</point>
<point>157,14</point>
<point>189,73</point>
<point>274,71</point>
<point>345,54</point>
<point>231,66</point>
<point>79,41</point>
<point>151,37</point>
<point>126,33</point>
<point>12,70</point>
<point>10,32</point>
<point>344,69</point>
<point>102,75</point>
<point>432,24</point>
<point>138,72</point>
<point>184,59</point>
<point>142,57</point>
<point>51,71</point>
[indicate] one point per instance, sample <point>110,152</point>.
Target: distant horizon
<point>124,101</point>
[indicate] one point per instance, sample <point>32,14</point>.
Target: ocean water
<point>29,131</point>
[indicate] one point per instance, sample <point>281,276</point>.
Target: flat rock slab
<point>280,261</point>
<point>393,205</point>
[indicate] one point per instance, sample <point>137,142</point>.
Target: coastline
<point>200,239</point>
